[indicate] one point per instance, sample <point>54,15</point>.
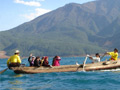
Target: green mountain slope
<point>74,29</point>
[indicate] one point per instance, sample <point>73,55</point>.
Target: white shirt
<point>95,59</point>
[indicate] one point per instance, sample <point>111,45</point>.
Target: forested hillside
<point>74,29</point>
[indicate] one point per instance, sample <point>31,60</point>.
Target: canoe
<point>68,68</point>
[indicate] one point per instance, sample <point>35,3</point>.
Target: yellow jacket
<point>42,62</point>
<point>14,59</point>
<point>113,55</point>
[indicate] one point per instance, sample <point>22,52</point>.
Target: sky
<point>16,12</point>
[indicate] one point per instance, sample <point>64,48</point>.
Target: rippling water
<point>93,80</point>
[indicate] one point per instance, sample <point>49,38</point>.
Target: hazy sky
<point>16,12</point>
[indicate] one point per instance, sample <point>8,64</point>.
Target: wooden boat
<point>69,68</point>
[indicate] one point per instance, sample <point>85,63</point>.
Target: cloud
<point>29,3</point>
<point>40,0</point>
<point>38,12</point>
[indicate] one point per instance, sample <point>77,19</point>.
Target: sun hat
<point>33,56</point>
<point>17,51</point>
<point>58,57</point>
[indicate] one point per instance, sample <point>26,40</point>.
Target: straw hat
<point>17,51</point>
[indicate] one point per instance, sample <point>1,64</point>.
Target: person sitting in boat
<point>42,60</point>
<point>14,61</point>
<point>114,54</point>
<point>37,61</point>
<point>31,60</point>
<point>46,63</point>
<point>56,60</point>
<point>96,58</point>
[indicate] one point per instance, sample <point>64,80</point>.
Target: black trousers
<point>14,64</point>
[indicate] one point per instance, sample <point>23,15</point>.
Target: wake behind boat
<point>68,68</point>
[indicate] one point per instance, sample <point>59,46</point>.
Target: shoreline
<point>3,55</point>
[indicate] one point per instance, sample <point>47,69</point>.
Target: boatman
<point>14,61</point>
<point>114,54</point>
<point>96,58</point>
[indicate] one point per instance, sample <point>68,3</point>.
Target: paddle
<point>102,56</point>
<point>3,71</point>
<point>85,62</point>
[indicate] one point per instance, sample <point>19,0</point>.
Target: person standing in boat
<point>56,60</point>
<point>37,61</point>
<point>114,54</point>
<point>31,60</point>
<point>14,61</point>
<point>46,63</point>
<point>96,58</point>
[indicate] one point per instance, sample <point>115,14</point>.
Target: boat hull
<point>68,68</point>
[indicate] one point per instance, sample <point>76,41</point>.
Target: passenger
<point>114,54</point>
<point>96,58</point>
<point>14,61</point>
<point>41,64</point>
<point>37,61</point>
<point>46,63</point>
<point>56,60</point>
<point>31,60</point>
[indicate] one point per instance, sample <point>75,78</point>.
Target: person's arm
<point>8,62</point>
<point>90,57</point>
<point>109,53</point>
<point>19,60</point>
<point>29,58</point>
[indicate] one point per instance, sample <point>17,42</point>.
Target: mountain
<point>74,29</point>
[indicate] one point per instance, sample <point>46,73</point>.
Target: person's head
<point>17,52</point>
<point>55,57</point>
<point>97,55</point>
<point>43,57</point>
<point>46,58</point>
<point>33,57</point>
<point>58,58</point>
<point>115,50</point>
<point>38,58</point>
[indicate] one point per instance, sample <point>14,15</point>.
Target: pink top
<point>56,62</point>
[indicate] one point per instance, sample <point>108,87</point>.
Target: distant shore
<point>3,55</point>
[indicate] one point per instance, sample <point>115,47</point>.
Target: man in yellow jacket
<point>114,54</point>
<point>14,61</point>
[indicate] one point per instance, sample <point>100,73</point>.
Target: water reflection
<point>14,88</point>
<point>19,75</point>
<point>16,84</point>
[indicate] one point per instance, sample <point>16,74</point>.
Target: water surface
<point>93,80</point>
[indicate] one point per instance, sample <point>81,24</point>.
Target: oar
<point>102,56</point>
<point>85,62</point>
<point>3,71</point>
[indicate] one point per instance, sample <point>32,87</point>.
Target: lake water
<point>93,80</point>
